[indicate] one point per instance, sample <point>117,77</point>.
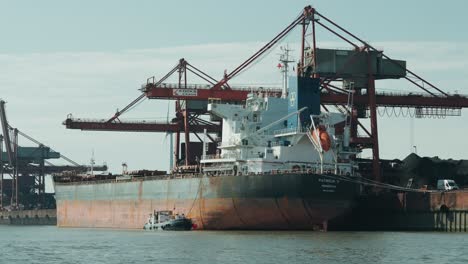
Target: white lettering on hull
<point>329,185</point>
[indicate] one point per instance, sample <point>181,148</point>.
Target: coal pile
<point>424,171</point>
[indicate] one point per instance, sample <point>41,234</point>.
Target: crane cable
<point>266,49</point>
<point>40,144</point>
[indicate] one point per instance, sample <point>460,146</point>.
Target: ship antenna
<point>92,162</point>
<point>284,67</point>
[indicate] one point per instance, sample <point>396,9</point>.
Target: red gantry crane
<point>347,79</point>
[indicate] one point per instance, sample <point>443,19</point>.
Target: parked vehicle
<point>447,185</point>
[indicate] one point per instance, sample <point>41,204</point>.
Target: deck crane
<point>359,86</point>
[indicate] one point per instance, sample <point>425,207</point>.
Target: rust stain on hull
<point>219,213</point>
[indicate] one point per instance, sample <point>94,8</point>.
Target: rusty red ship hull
<point>298,201</point>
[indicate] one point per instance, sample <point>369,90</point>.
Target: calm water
<point>54,245</point>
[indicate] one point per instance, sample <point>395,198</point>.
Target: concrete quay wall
<point>29,217</point>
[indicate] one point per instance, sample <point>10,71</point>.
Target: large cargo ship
<point>281,164</point>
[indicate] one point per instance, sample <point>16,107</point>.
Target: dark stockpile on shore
<point>423,171</point>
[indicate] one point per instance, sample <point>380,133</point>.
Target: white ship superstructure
<point>257,138</point>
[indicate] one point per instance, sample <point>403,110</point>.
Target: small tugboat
<point>166,220</point>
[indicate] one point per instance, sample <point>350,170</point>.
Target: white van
<point>446,185</point>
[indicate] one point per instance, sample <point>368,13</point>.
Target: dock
<point>29,217</point>
<point>422,211</point>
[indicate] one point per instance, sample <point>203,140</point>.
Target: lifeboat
<point>320,135</point>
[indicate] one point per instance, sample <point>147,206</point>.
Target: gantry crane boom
<point>99,125</point>
<point>327,98</point>
<point>382,100</point>
<point>398,100</point>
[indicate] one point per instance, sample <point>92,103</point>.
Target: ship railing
<point>277,143</point>
<point>198,175</point>
<point>135,179</point>
<point>222,156</point>
<point>289,130</point>
<point>228,144</point>
<point>313,170</point>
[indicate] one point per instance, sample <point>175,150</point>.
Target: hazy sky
<point>90,57</point>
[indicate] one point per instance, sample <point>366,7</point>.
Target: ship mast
<point>284,67</point>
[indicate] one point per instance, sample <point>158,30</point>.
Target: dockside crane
<point>32,162</point>
<point>11,150</point>
<point>357,70</point>
<point>347,79</point>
